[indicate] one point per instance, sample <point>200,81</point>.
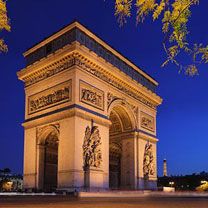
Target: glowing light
<point>203,182</point>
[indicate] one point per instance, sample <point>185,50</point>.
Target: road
<point>68,202</point>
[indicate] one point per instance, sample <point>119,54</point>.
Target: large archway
<point>119,149</point>
<point>48,159</point>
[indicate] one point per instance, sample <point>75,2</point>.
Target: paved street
<point>66,201</point>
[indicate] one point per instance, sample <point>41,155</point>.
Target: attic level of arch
<point>80,36</point>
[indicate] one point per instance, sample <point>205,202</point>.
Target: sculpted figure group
<point>148,162</point>
<point>92,155</point>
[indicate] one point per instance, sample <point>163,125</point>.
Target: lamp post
<point>171,183</point>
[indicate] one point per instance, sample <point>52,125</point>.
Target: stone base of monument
<point>114,194</point>
<point>93,177</point>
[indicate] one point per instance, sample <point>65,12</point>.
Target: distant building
<point>165,172</point>
<point>187,182</point>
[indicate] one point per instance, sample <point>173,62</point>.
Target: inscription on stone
<point>147,122</point>
<point>91,95</point>
<point>48,98</point>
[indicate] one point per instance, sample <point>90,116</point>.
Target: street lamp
<point>171,183</point>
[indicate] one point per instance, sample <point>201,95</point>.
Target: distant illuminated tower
<point>165,173</point>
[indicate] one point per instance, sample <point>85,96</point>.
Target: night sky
<point>182,122</point>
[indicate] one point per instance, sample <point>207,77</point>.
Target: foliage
<point>174,16</point>
<point>4,24</point>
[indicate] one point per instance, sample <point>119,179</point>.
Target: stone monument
<point>90,116</point>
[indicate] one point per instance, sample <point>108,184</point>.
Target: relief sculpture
<point>50,97</point>
<point>147,122</point>
<point>148,162</point>
<point>92,155</point>
<point>91,95</point>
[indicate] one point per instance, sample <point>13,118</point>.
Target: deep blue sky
<point>182,118</point>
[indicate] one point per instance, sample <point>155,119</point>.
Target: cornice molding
<point>96,61</point>
<point>76,58</point>
<point>148,98</point>
<point>47,64</point>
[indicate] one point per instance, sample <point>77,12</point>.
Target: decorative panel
<point>91,95</point>
<point>147,121</point>
<point>50,97</point>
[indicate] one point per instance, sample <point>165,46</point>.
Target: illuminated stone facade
<point>90,116</point>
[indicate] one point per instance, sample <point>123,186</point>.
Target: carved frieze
<point>114,82</point>
<point>148,161</point>
<point>50,71</point>
<point>147,121</point>
<point>76,59</point>
<point>92,154</point>
<point>48,98</point>
<point>91,95</point>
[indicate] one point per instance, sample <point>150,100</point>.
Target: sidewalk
<point>132,194</point>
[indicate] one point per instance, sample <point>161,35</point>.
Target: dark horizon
<point>182,117</point>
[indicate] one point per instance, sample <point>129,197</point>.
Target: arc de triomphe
<point>90,116</point>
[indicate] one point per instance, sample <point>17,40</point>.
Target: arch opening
<point>121,125</point>
<point>48,160</point>
<point>51,162</point>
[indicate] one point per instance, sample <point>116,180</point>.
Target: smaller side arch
<point>46,131</point>
<point>116,147</point>
<point>115,153</point>
<point>47,157</point>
